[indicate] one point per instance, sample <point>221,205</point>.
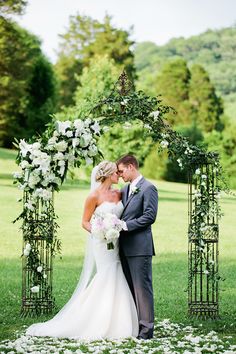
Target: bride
<point>102,306</point>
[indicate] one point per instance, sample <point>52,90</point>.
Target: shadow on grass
<point>6,176</point>
<point>6,154</point>
<point>169,199</point>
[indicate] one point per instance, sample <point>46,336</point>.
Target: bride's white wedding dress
<point>105,308</point>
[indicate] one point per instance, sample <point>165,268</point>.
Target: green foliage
<point>207,107</point>
<point>192,94</point>
<point>96,82</point>
<point>120,140</point>
<point>66,70</point>
<point>165,168</point>
<point>84,39</point>
<point>173,85</point>
<point>213,49</point>
<point>225,144</point>
<point>41,97</point>
<point>25,78</point>
<point>12,6</point>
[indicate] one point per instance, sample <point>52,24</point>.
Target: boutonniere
<point>135,190</point>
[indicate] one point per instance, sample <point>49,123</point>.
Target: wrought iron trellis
<point>203,238</point>
<point>203,232</point>
<point>37,268</point>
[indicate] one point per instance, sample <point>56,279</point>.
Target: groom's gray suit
<point>137,249</point>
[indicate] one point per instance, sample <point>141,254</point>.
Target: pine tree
<point>207,107</point>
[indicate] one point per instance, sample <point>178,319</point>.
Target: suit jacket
<point>140,210</point>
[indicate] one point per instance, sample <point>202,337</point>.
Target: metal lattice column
<point>203,238</point>
<point>40,237</point>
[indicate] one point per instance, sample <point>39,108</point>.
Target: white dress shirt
<point>134,183</point>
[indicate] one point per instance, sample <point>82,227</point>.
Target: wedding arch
<point>44,164</point>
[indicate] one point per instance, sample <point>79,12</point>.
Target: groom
<point>140,201</point>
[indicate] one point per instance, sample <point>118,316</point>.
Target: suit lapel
<point>125,193</point>
<point>132,195</point>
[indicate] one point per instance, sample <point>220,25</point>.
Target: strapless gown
<point>105,309</point>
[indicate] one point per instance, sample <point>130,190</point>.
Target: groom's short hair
<point>128,160</point>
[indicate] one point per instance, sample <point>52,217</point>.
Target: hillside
<point>215,50</point>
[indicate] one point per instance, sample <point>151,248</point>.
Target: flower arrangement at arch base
<point>44,163</point>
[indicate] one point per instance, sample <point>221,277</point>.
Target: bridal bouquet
<point>106,226</point>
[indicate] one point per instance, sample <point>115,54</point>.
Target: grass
<point>169,265</point>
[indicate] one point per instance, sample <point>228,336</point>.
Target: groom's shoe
<point>144,338</point>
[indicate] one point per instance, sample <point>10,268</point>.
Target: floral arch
<point>44,164</point>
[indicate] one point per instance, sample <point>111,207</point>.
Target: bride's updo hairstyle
<point>105,169</point>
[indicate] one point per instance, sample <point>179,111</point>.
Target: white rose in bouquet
<point>112,234</point>
<point>106,227</point>
<point>109,220</point>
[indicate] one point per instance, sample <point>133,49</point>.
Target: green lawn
<point>170,263</point>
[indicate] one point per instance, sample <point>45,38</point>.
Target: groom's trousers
<point>138,272</point>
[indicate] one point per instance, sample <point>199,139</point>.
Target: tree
<point>66,69</point>
<point>12,6</point>
<point>214,50</point>
<point>96,82</point>
<point>85,39</point>
<point>41,96</point>
<point>225,144</point>
<point>207,107</point>
<point>19,57</point>
<point>173,84</point>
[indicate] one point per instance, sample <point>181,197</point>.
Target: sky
<point>153,20</point>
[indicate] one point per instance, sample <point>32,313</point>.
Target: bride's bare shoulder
<point>93,195</point>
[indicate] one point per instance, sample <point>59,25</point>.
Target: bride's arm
<point>89,207</point>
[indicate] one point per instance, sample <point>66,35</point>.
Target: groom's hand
<point>124,226</point>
